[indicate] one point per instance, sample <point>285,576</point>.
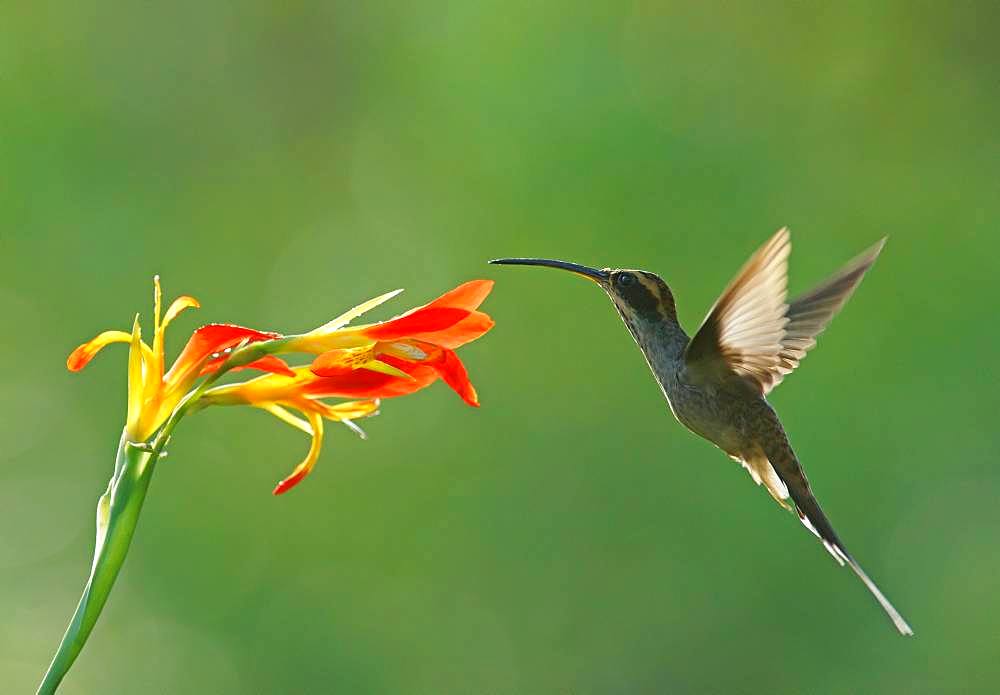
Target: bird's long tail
<point>787,466</point>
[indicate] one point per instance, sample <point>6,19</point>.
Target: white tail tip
<point>897,619</point>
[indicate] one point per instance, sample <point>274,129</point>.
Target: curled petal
<point>452,371</point>
<point>79,358</point>
<point>302,470</point>
<point>155,361</point>
<point>177,306</point>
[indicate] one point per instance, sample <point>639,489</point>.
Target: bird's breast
<point>707,412</point>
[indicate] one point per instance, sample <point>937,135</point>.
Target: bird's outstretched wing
<point>754,333</point>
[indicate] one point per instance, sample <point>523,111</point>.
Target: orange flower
<point>422,339</point>
<point>153,394</point>
<point>366,362</point>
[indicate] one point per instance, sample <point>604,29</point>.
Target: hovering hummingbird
<point>717,381</point>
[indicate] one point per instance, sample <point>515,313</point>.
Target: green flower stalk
<point>368,362</point>
<point>117,513</point>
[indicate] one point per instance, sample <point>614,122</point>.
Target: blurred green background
<point>284,161</point>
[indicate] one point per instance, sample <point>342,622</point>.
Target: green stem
<point>117,513</point>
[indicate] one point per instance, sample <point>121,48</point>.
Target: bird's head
<point>642,298</point>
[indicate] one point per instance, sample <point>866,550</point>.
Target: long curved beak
<point>599,276</point>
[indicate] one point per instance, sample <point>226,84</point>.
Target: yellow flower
<point>154,393</point>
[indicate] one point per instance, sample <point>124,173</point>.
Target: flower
<point>422,339</point>
<point>367,362</point>
<point>152,393</point>
<point>364,363</point>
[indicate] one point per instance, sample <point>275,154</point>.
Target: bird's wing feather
<point>743,331</point>
<point>809,314</point>
<point>752,332</point>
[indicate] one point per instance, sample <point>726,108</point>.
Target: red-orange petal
<point>81,356</point>
<point>268,363</point>
<point>450,320</point>
<point>303,469</point>
<point>342,361</point>
<point>364,383</point>
<point>213,338</point>
<point>426,319</point>
<point>331,363</point>
<point>465,331</point>
<point>468,295</point>
<point>453,372</point>
<point>288,483</point>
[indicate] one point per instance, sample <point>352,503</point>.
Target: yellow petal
<point>158,361</point>
<point>357,311</point>
<point>318,343</point>
<point>384,368</point>
<point>135,392</point>
<point>336,361</point>
<point>352,410</point>
<point>262,390</point>
<point>157,302</point>
<point>302,470</point>
<point>177,306</point>
<point>79,358</point>
<point>287,416</point>
<point>350,358</point>
<point>154,364</point>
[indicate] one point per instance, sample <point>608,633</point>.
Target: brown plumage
<point>716,382</point>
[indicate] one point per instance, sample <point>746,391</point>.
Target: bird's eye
<point>625,279</point>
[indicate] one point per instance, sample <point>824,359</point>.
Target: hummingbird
<point>716,383</point>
